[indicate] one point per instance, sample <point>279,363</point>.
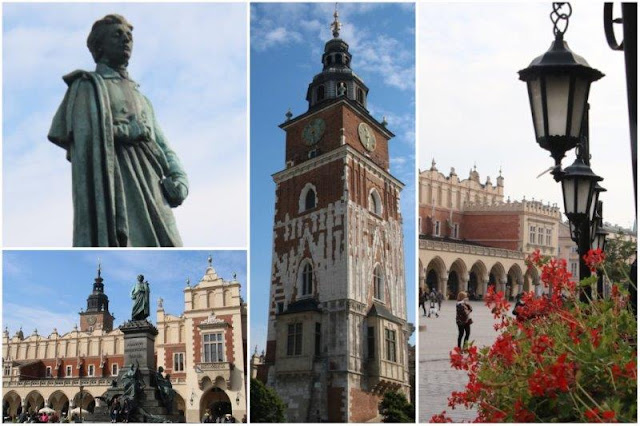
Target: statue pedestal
<point>139,339</point>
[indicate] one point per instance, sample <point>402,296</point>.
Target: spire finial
<point>210,260</point>
<point>99,267</point>
<point>500,172</point>
<point>288,114</point>
<point>336,25</point>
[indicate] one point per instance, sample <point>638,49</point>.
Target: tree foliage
<point>620,254</point>
<point>395,408</point>
<point>266,405</point>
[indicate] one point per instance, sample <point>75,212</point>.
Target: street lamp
<point>558,82</point>
<point>578,190</point>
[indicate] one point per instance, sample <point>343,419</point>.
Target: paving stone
<point>438,336</point>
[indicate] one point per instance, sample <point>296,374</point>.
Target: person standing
<point>422,301</point>
<point>440,297</point>
<point>463,318</point>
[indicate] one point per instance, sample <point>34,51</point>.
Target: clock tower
<point>97,316</point>
<point>338,334</point>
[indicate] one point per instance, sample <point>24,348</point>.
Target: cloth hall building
<point>203,350</point>
<point>470,237</point>
<point>337,328</point>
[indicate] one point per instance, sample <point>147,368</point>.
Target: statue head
<point>140,278</point>
<point>160,369</point>
<point>110,41</point>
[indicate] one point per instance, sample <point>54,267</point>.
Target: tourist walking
<point>440,298</point>
<point>463,318</point>
<point>422,300</point>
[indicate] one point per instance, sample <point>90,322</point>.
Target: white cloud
<point>31,318</point>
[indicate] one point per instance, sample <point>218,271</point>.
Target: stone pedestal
<point>139,339</point>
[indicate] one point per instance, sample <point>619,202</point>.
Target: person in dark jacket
<point>463,318</point>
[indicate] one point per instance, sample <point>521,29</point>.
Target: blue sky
<point>46,289</point>
<point>195,78</point>
<point>287,41</point>
<point>474,109</point>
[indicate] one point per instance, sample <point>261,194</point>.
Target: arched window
<point>310,200</point>
<point>360,95</point>
<point>375,204</point>
<point>378,283</point>
<point>306,280</point>
<point>320,93</point>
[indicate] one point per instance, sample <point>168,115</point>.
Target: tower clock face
<point>91,320</point>
<point>313,131</point>
<point>367,138</point>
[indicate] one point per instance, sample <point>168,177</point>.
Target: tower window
<point>375,204</point>
<point>91,370</point>
<point>390,337</point>
<point>307,279</point>
<point>308,198</point>
<point>436,229</point>
<point>318,342</point>
<point>114,369</point>
<point>378,283</point>
<point>68,372</point>
<point>320,93</point>
<point>294,339</point>
<point>48,373</point>
<point>360,96</point>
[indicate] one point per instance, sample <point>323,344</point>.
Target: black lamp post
<point>558,83</point>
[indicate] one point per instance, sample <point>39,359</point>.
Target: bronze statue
<point>165,389</point>
<point>125,177</point>
<point>140,296</point>
<point>131,382</point>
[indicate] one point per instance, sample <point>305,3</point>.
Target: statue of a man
<point>125,177</point>
<point>140,296</point>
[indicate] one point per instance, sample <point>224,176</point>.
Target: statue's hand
<point>139,131</point>
<point>175,190</point>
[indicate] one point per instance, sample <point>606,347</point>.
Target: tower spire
<point>336,25</point>
<point>99,267</point>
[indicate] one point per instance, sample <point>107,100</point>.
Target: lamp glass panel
<point>594,203</point>
<point>535,92</point>
<point>557,103</point>
<point>568,192</point>
<point>581,88</point>
<point>584,195</point>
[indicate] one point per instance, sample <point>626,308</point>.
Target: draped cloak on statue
<point>118,198</point>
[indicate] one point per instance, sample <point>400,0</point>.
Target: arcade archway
<point>87,401</point>
<point>58,401</point>
<point>12,404</point>
<point>33,402</point>
<point>216,402</point>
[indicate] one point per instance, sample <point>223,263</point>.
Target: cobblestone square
<point>438,336</point>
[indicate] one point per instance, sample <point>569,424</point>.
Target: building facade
<point>202,351</point>
<point>337,333</point>
<point>471,238</point>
